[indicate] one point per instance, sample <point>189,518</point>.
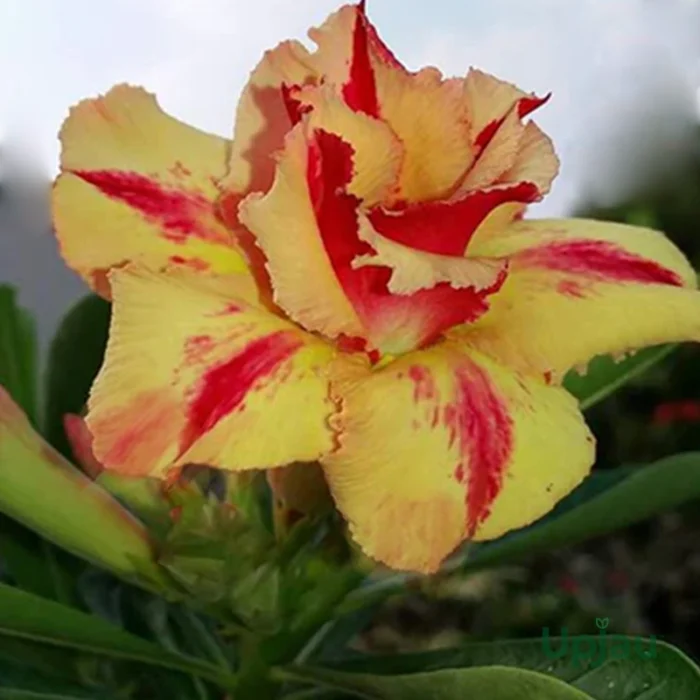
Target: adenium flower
<point>351,281</point>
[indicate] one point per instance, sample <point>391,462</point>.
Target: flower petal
<point>262,117</point>
<point>311,196</point>
<point>138,185</point>
<point>193,375</point>
<point>284,224</point>
<point>578,288</point>
<point>427,113</point>
<point>444,445</point>
<point>489,100</point>
<point>446,227</point>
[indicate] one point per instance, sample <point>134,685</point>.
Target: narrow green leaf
<point>604,376</point>
<point>74,359</point>
<point>604,503</point>
<point>606,667</point>
<point>494,683</point>
<point>27,616</point>
<point>18,352</point>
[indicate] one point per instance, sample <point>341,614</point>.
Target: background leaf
<point>74,359</point>
<point>18,352</point>
<point>604,376</point>
<point>26,616</point>
<point>494,683</point>
<point>669,676</point>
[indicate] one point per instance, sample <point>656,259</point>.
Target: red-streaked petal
<point>138,185</point>
<point>578,288</point>
<point>444,445</point>
<point>489,100</point>
<point>446,227</point>
<point>193,375</point>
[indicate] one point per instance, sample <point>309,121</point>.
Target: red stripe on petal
<point>180,214</point>
<point>421,316</point>
<point>360,92</point>
<point>600,261</point>
<point>446,227</point>
<point>377,47</point>
<point>295,108</point>
<point>223,388</point>
<point>525,106</point>
<point>480,419</point>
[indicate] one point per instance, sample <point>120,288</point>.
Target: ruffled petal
<point>427,113</point>
<point>579,288</point>
<point>489,100</point>
<point>429,116</point>
<point>346,295</point>
<point>284,224</point>
<point>140,186</point>
<point>263,118</point>
<point>445,444</point>
<point>446,227</point>
<point>194,375</point>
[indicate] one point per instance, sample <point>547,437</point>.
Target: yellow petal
<point>535,160</point>
<point>577,289</point>
<point>488,100</point>
<point>138,185</point>
<point>443,445</point>
<point>378,154</point>
<point>284,224</point>
<point>262,119</point>
<point>413,270</point>
<point>193,375</point>
<point>498,156</point>
<point>429,116</point>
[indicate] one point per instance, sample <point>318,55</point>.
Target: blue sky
<point>601,58</point>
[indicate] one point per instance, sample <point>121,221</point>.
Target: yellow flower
<point>351,281</point>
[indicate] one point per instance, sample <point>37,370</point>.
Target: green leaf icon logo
<point>602,623</point>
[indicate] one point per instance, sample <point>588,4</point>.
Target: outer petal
<point>444,445</point>
<point>192,375</point>
<point>138,185</point>
<point>578,288</point>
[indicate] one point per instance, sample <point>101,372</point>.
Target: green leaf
<point>74,359</point>
<point>605,502</point>
<point>26,616</point>
<point>18,352</point>
<point>494,683</point>
<point>606,667</point>
<point>604,375</point>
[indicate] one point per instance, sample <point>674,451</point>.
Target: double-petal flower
<point>351,281</point>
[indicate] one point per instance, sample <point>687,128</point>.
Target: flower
<point>351,281</point>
